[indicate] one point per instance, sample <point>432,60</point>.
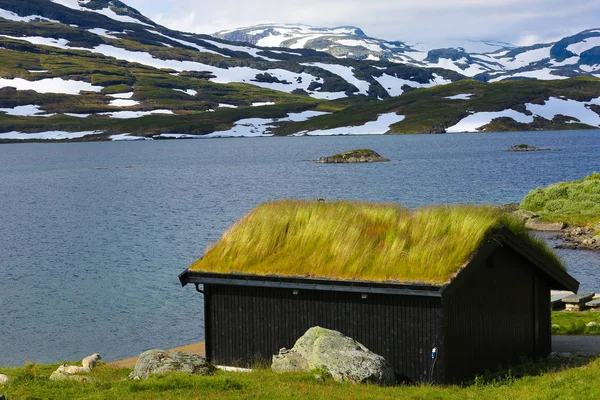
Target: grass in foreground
<point>575,203</point>
<point>556,379</point>
<point>574,323</point>
<point>356,240</point>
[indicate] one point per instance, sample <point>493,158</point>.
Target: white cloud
<point>407,20</point>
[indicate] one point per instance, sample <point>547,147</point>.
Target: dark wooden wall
<point>247,324</point>
<point>496,316</point>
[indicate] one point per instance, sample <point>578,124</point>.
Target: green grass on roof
<point>356,240</point>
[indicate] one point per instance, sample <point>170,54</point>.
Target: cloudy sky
<point>515,21</point>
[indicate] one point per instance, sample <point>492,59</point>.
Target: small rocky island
<point>353,156</point>
<point>526,147</point>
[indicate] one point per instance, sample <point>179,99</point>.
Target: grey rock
<point>289,361</point>
<point>594,303</point>
<point>2,397</point>
<point>4,379</point>
<point>353,156</point>
<point>343,357</point>
<point>544,226</point>
<point>524,215</point>
<point>525,147</point>
<point>63,376</point>
<point>158,361</point>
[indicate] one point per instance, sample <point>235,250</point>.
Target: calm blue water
<point>93,235</point>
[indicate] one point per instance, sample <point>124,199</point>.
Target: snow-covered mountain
<point>99,70</point>
<point>577,55</point>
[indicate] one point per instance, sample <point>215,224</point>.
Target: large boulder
<point>343,357</point>
<point>64,376</point>
<point>4,379</point>
<point>158,361</point>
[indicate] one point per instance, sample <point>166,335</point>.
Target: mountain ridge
<point>100,70</point>
<point>485,60</point>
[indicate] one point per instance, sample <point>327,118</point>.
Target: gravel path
<point>588,345</point>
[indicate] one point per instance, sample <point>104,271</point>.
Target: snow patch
<point>252,51</point>
<point>571,108</point>
<point>43,41</point>
<point>360,43</point>
<point>477,120</point>
<point>224,105</point>
<point>135,114</point>
<point>541,74</point>
<point>77,115</point>
<point>189,92</point>
<point>248,127</point>
<point>123,103</point>
<point>127,95</point>
<point>11,16</point>
<point>50,85</point>
<point>584,45</point>
<point>229,75</point>
<point>126,137</point>
<point>347,73</point>
<point>393,85</point>
<point>104,33</point>
<point>29,110</point>
<point>264,103</point>
<point>186,43</point>
<point>463,96</point>
<point>378,127</point>
<point>107,12</point>
<point>49,135</point>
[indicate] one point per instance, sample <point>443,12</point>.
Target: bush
<point>576,202</point>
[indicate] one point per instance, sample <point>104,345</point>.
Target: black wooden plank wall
<point>544,329</point>
<point>490,319</point>
<point>249,324</point>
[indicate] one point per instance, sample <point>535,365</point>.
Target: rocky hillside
<point>100,70</point>
<point>577,55</point>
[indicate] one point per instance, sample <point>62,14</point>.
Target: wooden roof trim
<point>286,282</point>
<point>548,266</point>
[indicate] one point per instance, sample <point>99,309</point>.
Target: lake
<point>95,234</point>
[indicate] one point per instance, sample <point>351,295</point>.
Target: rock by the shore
<point>343,357</point>
<point>63,376</point>
<point>157,361</point>
<point>524,215</point>
<point>4,379</point>
<point>544,226</point>
<point>580,238</point>
<point>525,147</point>
<point>353,156</point>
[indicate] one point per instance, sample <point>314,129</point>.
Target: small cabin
<point>465,280</point>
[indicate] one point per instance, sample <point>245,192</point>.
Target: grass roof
<point>357,240</point>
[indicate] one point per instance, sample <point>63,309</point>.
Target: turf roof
<point>357,241</point>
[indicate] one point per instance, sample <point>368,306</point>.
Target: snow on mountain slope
<point>484,60</point>
<point>578,110</point>
<point>11,16</point>
<point>108,11</point>
<point>287,81</point>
